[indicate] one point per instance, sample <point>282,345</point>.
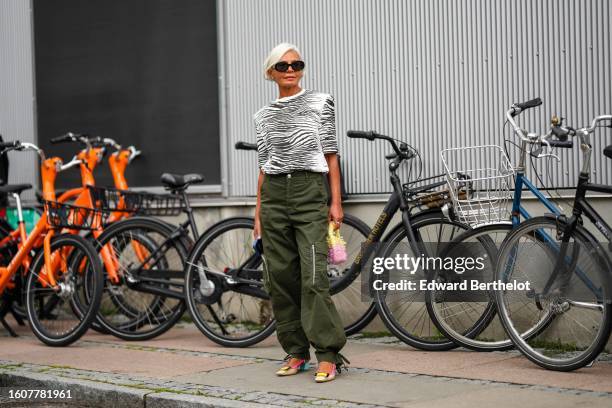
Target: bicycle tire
<point>93,269</point>
<point>433,340</point>
<point>138,229</point>
<point>568,361</point>
<point>467,337</point>
<point>192,293</point>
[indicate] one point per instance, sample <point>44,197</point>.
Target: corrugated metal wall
<point>17,86</point>
<point>433,73</point>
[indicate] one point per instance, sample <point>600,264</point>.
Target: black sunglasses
<point>284,66</point>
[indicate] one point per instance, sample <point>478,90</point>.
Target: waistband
<point>301,174</point>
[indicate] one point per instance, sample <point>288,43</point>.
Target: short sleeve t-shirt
<point>296,132</point>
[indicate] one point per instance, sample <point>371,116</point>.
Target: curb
<point>102,395</point>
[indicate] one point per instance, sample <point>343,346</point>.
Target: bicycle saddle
<point>608,152</point>
<point>180,181</point>
<point>15,188</point>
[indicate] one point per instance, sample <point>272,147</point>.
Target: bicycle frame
<point>517,209</point>
<point>41,235</point>
<point>152,257</point>
<point>581,206</point>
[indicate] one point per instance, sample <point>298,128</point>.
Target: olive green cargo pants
<point>293,217</point>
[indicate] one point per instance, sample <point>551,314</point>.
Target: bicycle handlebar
<point>72,163</point>
<point>66,138</point>
<point>111,143</point>
<point>61,139</point>
<point>245,146</point>
<point>10,145</point>
<point>134,153</point>
<point>401,151</point>
<point>564,144</point>
<point>74,138</point>
<point>596,120</point>
<point>534,138</point>
<point>362,134</point>
<point>521,106</point>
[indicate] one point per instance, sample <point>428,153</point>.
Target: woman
<point>296,148</point>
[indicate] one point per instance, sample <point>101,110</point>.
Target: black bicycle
<point>565,276</point>
<point>424,229</point>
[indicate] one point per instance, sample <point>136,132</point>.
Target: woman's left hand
<point>336,215</point>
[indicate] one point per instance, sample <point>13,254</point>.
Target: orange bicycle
<point>90,156</point>
<point>130,310</point>
<point>59,309</point>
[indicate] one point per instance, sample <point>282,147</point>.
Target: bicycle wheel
<point>51,312</point>
<point>233,311</point>
<point>148,299</point>
<point>345,279</point>
<point>571,289</point>
<point>468,316</point>
<point>404,312</point>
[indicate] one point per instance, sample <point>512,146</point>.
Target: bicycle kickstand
<point>9,329</point>
<point>17,318</point>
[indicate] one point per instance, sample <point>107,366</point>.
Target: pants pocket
<point>318,254</point>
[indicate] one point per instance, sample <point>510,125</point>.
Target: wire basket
<point>480,180</point>
<point>62,215</point>
<point>161,205</point>
<point>112,199</point>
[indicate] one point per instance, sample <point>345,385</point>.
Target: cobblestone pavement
<point>183,367</point>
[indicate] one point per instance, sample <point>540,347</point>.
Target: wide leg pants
<point>293,215</point>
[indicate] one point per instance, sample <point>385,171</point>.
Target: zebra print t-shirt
<point>294,133</point>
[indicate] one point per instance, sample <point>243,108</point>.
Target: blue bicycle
<point>468,317</point>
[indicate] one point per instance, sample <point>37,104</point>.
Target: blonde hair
<point>276,54</point>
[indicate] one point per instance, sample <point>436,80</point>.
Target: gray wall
<point>433,73</point>
<point>17,99</point>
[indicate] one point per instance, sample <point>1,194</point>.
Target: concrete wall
<point>17,94</point>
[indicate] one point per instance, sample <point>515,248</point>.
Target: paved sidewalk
<point>183,368</point>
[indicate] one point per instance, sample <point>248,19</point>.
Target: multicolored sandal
<point>325,372</point>
<point>292,366</point>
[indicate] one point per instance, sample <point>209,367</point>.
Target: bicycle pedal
<point>230,318</point>
<point>536,297</point>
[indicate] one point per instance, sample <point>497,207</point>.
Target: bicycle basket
<point>62,215</point>
<point>161,205</point>
<point>112,199</point>
<point>479,180</point>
